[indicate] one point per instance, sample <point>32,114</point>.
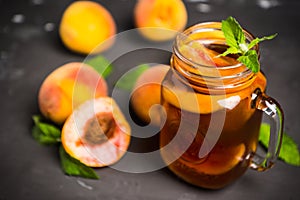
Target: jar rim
<point>209,26</point>
<point>216,78</point>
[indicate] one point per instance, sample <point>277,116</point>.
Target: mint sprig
<point>45,133</point>
<point>237,44</point>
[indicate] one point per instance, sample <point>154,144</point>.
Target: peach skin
<point>67,87</point>
<point>146,94</point>
<point>160,20</point>
<point>86,26</point>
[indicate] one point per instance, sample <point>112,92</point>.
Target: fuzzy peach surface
<point>85,25</point>
<point>67,87</point>
<point>146,94</point>
<point>160,20</point>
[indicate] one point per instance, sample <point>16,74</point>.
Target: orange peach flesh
<point>106,151</point>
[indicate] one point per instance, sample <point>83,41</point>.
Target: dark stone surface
<point>29,50</point>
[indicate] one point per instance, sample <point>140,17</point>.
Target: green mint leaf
<point>36,119</point>
<point>258,40</point>
<point>233,32</point>
<point>39,136</point>
<point>231,50</point>
<point>100,64</point>
<point>289,152</point>
<point>45,133</point>
<point>74,167</point>
<point>250,59</point>
<point>49,130</point>
<point>127,81</point>
<point>236,40</point>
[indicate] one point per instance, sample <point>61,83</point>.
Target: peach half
<point>67,87</point>
<point>145,97</point>
<point>96,133</point>
<point>160,20</point>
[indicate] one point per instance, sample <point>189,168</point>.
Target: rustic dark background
<point>30,48</point>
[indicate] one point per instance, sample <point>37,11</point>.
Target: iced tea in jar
<point>214,108</point>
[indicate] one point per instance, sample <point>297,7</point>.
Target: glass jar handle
<point>272,109</point>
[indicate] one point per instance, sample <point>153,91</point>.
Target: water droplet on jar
<point>203,8</point>
<point>48,27</point>
<point>18,18</point>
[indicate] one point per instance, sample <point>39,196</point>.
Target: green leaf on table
<point>74,167</point>
<point>127,81</point>
<point>100,64</point>
<point>45,133</point>
<point>289,152</point>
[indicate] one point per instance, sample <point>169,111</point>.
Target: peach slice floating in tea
<point>195,51</point>
<point>224,159</point>
<point>192,102</point>
<point>205,62</point>
<point>221,160</point>
<point>205,58</point>
<point>220,61</point>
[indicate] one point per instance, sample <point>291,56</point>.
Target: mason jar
<point>214,108</point>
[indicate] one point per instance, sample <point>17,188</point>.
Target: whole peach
<point>86,26</point>
<point>145,97</point>
<point>160,20</point>
<point>67,87</point>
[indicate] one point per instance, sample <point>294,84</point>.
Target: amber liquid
<point>229,157</point>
